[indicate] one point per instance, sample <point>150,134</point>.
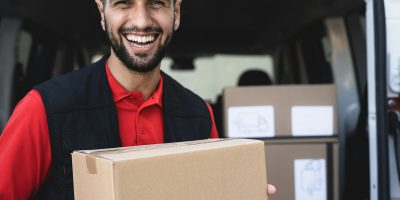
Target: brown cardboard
<point>282,99</point>
<point>198,170</point>
<point>281,155</point>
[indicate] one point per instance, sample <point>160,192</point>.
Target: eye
<point>121,2</point>
<point>157,3</point>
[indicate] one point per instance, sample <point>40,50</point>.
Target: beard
<point>141,63</point>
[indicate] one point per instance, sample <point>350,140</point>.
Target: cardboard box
<point>303,169</point>
<point>199,170</point>
<point>280,111</point>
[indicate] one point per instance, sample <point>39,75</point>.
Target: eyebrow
<point>117,0</point>
<point>170,1</point>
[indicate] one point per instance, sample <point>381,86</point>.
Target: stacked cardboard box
<point>280,111</point>
<point>299,126</point>
<point>303,169</point>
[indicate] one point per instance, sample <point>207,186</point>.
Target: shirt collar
<point>119,93</point>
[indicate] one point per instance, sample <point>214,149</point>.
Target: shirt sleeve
<point>214,131</point>
<point>25,152</point>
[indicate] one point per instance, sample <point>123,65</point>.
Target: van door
<point>383,96</point>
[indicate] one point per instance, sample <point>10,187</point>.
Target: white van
<point>353,44</point>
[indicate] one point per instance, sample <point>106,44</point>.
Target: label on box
<point>251,122</point>
<point>310,179</point>
<point>312,120</point>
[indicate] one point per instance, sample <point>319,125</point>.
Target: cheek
<point>167,24</point>
<point>114,21</point>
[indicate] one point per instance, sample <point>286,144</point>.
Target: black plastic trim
<point>329,171</point>
<point>381,99</point>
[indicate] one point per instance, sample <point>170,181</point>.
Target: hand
<point>271,189</point>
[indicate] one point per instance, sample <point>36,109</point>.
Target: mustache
<point>134,29</point>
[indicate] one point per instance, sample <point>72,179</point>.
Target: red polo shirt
<point>25,153</point>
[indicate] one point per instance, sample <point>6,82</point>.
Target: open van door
<point>383,49</point>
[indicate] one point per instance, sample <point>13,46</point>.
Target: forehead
<point>170,1</point>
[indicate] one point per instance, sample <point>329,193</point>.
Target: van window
<point>212,74</point>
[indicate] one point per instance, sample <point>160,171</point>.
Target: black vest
<point>81,115</point>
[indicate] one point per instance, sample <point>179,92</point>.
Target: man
<point>122,100</point>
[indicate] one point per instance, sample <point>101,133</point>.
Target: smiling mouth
<point>141,41</point>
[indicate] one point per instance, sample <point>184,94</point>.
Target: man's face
<point>140,30</point>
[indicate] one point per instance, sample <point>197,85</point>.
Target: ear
<point>177,14</point>
<point>100,7</point>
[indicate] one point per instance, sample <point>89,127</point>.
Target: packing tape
<point>91,164</point>
<point>91,156</point>
<point>99,153</point>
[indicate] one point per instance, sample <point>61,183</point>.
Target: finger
<point>271,189</point>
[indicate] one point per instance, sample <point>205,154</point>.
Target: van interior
<point>218,44</point>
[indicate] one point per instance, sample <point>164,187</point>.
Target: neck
<point>133,81</point>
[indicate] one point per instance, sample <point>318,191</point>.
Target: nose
<point>140,17</point>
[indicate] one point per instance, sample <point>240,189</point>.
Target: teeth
<point>140,39</point>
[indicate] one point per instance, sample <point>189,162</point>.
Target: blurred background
<point>286,42</point>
